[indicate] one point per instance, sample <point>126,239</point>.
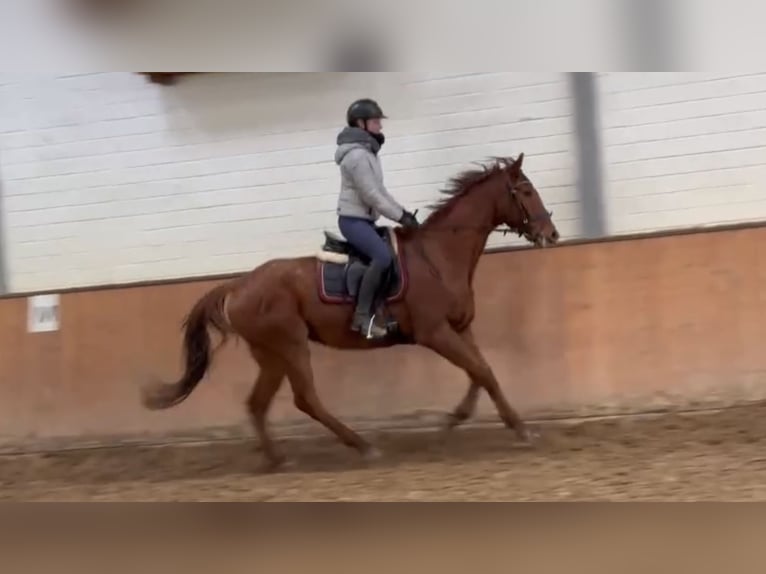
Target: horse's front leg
<point>466,408</point>
<point>452,346</point>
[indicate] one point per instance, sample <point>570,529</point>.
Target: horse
<point>282,305</point>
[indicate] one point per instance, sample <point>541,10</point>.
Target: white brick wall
<point>683,149</point>
<point>110,179</point>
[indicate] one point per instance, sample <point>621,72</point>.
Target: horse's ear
<point>515,168</point>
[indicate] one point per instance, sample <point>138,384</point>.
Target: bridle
<point>526,220</point>
<point>526,217</point>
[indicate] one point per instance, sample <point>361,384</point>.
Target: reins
<point>418,245</point>
<point>526,219</point>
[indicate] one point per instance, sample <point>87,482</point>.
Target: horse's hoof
<point>272,466</point>
<point>529,437</point>
<point>372,454</point>
<point>452,421</point>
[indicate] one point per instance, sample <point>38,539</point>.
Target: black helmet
<point>364,109</point>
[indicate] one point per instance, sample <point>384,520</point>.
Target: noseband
<point>526,217</point>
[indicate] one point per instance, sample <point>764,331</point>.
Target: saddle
<point>341,268</point>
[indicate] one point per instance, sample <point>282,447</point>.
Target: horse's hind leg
<point>301,376</point>
<point>266,387</point>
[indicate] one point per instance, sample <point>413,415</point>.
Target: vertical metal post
<point>589,155</point>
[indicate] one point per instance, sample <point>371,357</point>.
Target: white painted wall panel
<point>110,179</point>
<point>683,149</point>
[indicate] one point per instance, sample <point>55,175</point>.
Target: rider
<point>363,199</point>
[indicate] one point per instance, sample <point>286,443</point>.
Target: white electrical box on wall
<point>43,313</point>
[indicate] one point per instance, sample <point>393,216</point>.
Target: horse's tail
<point>208,311</point>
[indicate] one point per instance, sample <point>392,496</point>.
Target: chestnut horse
<point>282,305</point>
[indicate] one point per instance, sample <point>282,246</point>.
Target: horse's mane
<point>462,184</point>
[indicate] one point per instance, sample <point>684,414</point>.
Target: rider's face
<point>374,126</point>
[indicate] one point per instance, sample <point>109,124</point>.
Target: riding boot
<point>363,317</point>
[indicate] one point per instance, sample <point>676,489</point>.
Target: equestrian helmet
<point>364,109</point>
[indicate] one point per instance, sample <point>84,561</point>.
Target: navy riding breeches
<point>362,235</point>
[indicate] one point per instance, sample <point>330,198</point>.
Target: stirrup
<point>367,327</point>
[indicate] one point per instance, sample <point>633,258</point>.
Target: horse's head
<point>520,207</point>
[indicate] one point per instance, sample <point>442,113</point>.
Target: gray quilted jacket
<point>362,191</point>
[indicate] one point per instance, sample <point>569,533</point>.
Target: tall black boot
<point>363,316</point>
